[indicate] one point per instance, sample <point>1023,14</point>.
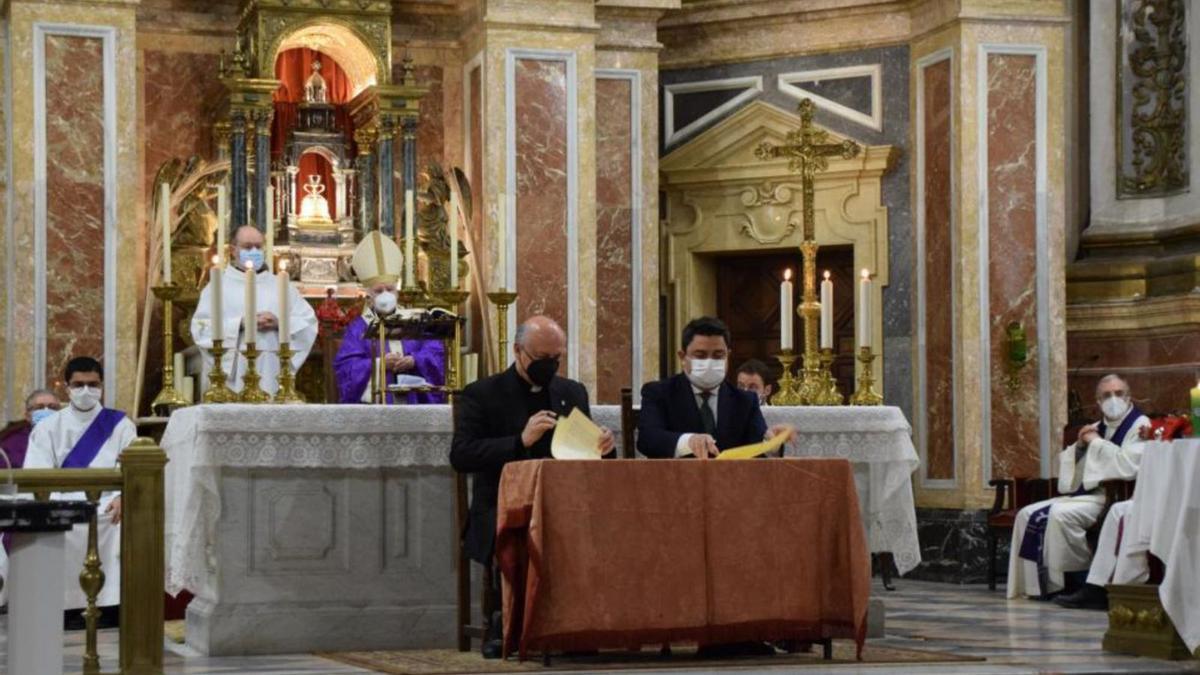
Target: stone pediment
<point>725,152</point>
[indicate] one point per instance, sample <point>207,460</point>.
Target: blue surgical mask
<point>41,414</point>
<point>251,257</point>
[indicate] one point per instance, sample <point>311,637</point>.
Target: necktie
<point>706,414</point>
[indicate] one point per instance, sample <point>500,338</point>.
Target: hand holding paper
<point>756,449</point>
<point>576,437</point>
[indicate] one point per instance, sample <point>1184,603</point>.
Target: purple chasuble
<point>355,358</point>
<point>16,443</point>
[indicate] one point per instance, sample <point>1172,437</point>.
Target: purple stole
<point>89,444</point>
<point>1035,532</point>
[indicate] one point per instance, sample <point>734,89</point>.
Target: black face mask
<point>541,371</point>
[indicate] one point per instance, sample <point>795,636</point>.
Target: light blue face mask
<point>251,256</point>
<point>41,414</point>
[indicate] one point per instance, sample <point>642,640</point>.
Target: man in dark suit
<point>510,417</point>
<point>697,413</point>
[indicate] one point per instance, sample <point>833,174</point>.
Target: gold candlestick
<point>287,381</point>
<point>810,385</point>
<point>502,299</point>
<point>169,398</point>
<point>218,391</point>
<point>787,394</point>
<point>413,296</point>
<point>454,298</point>
<point>829,394</point>
<point>251,390</point>
<point>866,394</point>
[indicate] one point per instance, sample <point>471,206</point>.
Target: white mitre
<point>377,260</point>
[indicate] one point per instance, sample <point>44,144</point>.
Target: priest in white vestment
<point>1111,564</point>
<point>1050,537</point>
<point>85,434</point>
<point>302,320</point>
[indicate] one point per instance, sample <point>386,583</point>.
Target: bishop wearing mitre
<point>302,321</point>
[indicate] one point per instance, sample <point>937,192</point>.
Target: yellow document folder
<point>576,437</point>
<point>755,449</point>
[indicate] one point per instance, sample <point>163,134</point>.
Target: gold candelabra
<point>251,382</point>
<point>828,394</point>
<point>218,391</point>
<point>169,398</point>
<point>455,298</point>
<point>502,299</point>
<point>787,394</point>
<point>810,385</point>
<point>866,394</point>
<point>287,381</point>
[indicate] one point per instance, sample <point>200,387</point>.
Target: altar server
<point>1049,544</point>
<point>697,413</point>
<point>302,321</point>
<point>377,263</point>
<point>83,435</point>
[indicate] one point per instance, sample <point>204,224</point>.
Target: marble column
<point>292,193</point>
<point>409,172</point>
<point>262,166</point>
<point>238,178</point>
<point>387,184</point>
<point>366,183</point>
<point>339,190</point>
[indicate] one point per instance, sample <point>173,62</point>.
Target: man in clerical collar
<point>508,417</point>
<point>302,320</point>
<point>1050,552</point>
<point>83,435</point>
<point>377,264</point>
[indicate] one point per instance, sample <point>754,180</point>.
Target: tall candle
<point>178,366</point>
<point>251,317</point>
<point>827,312</point>
<point>453,225</point>
<point>410,259</point>
<point>269,249</point>
<point>864,309</point>
<point>786,307</point>
<point>215,278</point>
<point>502,242</point>
<point>164,217</point>
<point>222,224</point>
<point>283,286</point>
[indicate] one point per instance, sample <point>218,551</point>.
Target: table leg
<point>827,649</point>
<point>35,603</point>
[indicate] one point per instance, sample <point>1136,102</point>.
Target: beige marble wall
<point>20,348</point>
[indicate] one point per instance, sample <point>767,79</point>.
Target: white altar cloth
<point>201,440</point>
<point>1166,522</point>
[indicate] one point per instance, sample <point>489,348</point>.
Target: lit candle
<point>215,274</point>
<point>453,225</point>
<point>284,286</point>
<point>251,318</point>
<point>409,240</point>
<point>785,311</point>
<point>827,312</point>
<point>164,217</point>
<point>864,309</point>
<point>502,242</point>
<point>269,249</point>
<point>222,225</point>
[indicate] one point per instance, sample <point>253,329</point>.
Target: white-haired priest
<point>302,320</point>
<point>1050,552</point>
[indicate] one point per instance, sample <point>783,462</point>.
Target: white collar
<point>84,415</point>
<point>700,392</point>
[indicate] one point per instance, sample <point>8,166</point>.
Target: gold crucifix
<point>808,151</point>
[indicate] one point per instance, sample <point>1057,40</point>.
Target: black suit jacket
<point>669,410</point>
<point>489,417</point>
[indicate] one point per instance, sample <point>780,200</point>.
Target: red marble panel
<point>74,201</point>
<point>939,270</point>
<point>1161,366</point>
<point>614,231</point>
<point>541,197</point>
<point>1012,258</point>
<point>178,91</point>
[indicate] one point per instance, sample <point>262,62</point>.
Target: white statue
<point>314,86</point>
<point>314,210</point>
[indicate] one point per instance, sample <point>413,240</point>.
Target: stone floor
<point>1013,636</point>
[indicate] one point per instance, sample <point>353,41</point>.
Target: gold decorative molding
<point>1113,280</point>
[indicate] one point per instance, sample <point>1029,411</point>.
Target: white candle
<point>410,260</point>
<point>283,286</point>
<point>827,312</point>
<point>251,317</point>
<point>222,225</point>
<point>269,249</point>
<point>864,309</point>
<point>785,311</point>
<point>453,225</point>
<point>502,242</point>
<point>215,277</point>
<point>164,217</point>
<point>178,366</point>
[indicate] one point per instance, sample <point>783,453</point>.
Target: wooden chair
<point>462,567</point>
<point>1012,495</point>
<point>629,422</point>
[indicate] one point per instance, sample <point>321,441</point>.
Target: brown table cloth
<point>621,553</point>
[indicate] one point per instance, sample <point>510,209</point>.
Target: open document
<point>755,449</point>
<point>576,437</point>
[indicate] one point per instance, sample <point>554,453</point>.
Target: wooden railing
<point>140,481</point>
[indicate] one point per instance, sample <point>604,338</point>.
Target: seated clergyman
<point>697,413</point>
<point>1049,551</point>
<point>415,361</point>
<point>508,417</point>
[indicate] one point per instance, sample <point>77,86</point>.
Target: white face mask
<point>84,398</point>
<point>385,302</point>
<point>706,373</point>
<point>1114,407</point>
